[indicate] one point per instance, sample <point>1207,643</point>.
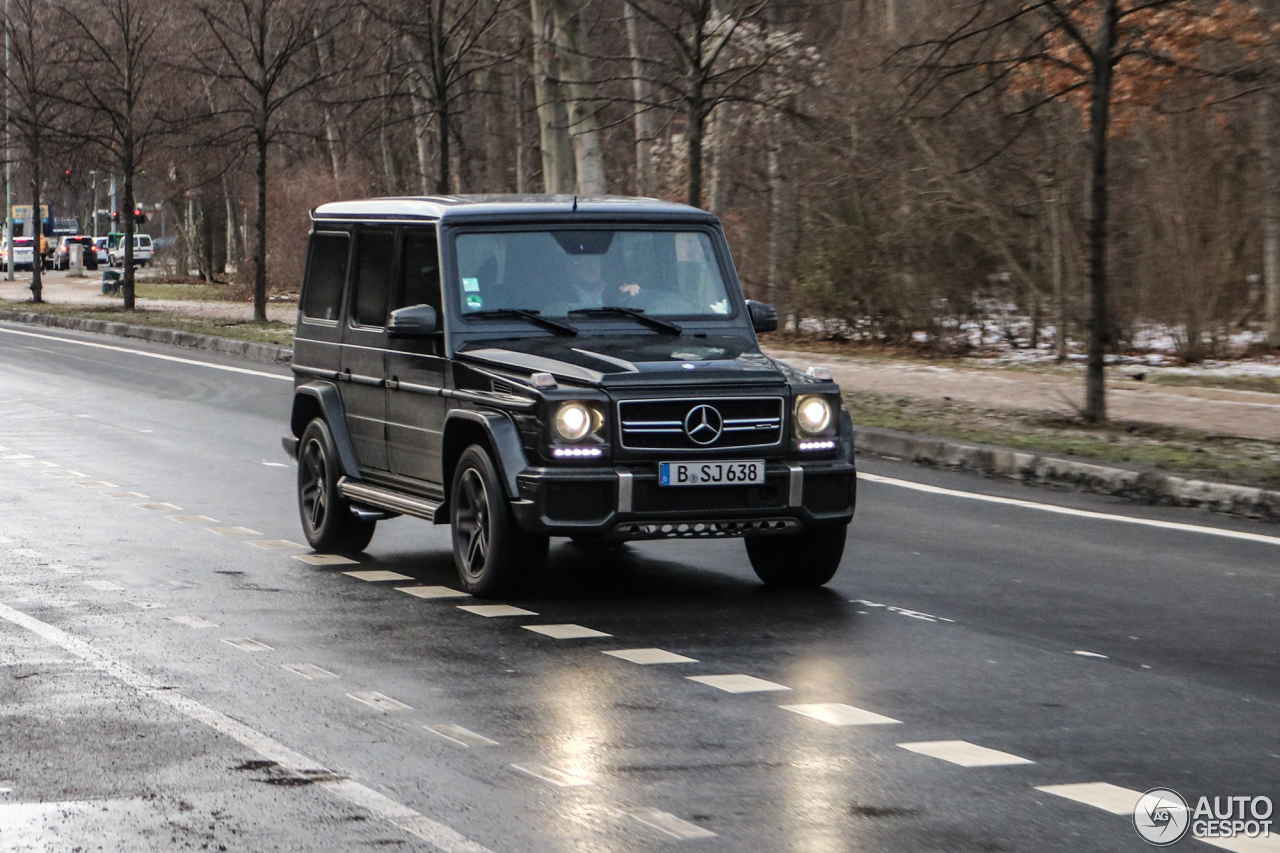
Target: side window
<point>373,277</point>
<point>326,273</point>
<point>421,285</point>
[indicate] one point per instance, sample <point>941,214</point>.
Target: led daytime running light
<point>564,452</point>
<point>816,445</point>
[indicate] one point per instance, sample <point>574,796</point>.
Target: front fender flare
<point>504,439</point>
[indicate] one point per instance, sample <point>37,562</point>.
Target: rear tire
<point>807,559</point>
<point>493,555</point>
<point>327,519</point>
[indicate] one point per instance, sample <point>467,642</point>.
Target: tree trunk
<point>1095,407</point>
<point>37,260</point>
<point>642,118</point>
<point>694,132</point>
<point>1271,217</point>
<point>323,59</point>
<point>575,76</point>
<point>420,124</point>
<point>1056,272</point>
<point>718,188</point>
<point>260,247</point>
<point>559,175</point>
<point>130,227</point>
<point>773,282</point>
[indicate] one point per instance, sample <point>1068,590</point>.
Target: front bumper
<point>626,502</point>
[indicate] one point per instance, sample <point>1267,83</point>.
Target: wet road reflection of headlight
<point>813,415</point>
<point>573,421</point>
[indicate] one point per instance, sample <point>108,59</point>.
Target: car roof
<point>505,208</point>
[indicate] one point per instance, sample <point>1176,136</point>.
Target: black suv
<point>527,367</point>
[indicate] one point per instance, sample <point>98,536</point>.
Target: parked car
<point>589,371</point>
<point>104,256</point>
<point>23,253</point>
<point>142,250</point>
<point>62,253</point>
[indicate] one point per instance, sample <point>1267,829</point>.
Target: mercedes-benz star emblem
<point>703,424</point>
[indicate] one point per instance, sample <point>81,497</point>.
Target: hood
<point>631,359</point>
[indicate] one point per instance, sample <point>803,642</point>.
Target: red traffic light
<point>138,216</point>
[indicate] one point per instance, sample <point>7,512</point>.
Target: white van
<point>142,250</point>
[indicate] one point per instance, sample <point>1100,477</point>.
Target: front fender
<point>323,400</point>
<point>461,425</point>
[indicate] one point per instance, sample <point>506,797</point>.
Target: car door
<point>364,336</point>
<point>417,368</point>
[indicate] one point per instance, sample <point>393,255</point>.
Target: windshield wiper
<point>532,316</point>
<point>636,314</point>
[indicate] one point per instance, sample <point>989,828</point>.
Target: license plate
<point>711,473</point>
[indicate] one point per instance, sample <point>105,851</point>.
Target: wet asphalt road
<point>128,722</point>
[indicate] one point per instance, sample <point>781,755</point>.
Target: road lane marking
<point>491,610</point>
<point>965,754</point>
<point>65,473</point>
<point>245,644</point>
<point>161,507</point>
<point>379,701</point>
<point>142,604</point>
<point>105,586</point>
<point>97,484</point>
<point>445,838</point>
<point>192,519</point>
<point>309,670</point>
<point>277,545</point>
<point>192,621</point>
<point>324,559</point>
<point>233,531</point>
<point>565,632</point>
<point>120,496</point>
<point>459,735</point>
<point>668,823</point>
<point>38,464</point>
<point>155,355</point>
<point>433,592</point>
<point>1100,795</point>
<point>1085,654</point>
<point>559,778</point>
<point>1079,513</point>
<point>837,714</point>
<point>649,657</point>
<point>376,575</point>
<point>737,683</point>
<point>277,465</point>
<point>17,456</point>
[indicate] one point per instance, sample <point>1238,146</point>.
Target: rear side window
<point>373,277</point>
<point>421,270</point>
<point>326,273</point>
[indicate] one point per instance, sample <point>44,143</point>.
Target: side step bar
<point>386,499</point>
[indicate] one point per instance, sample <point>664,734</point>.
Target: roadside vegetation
<point>272,332</point>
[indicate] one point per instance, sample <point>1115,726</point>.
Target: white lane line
<point>39,464</point>
<point>1085,654</point>
<point>309,670</point>
<point>559,778</point>
<point>565,632</point>
<point>737,683</point>
<point>433,592</point>
<point>1100,795</point>
<point>1079,513</point>
<point>233,531</point>
<point>324,560</point>
<point>155,355</point>
<point>837,714</point>
<point>491,610</point>
<point>277,545</point>
<point>378,575</point>
<point>97,484</point>
<point>17,456</point>
<point>446,839</point>
<point>120,496</point>
<point>245,644</point>
<point>65,473</point>
<point>160,507</point>
<point>965,754</point>
<point>277,465</point>
<point>668,823</point>
<point>649,657</point>
<point>192,519</point>
<point>459,735</point>
<point>379,701</point>
<point>192,621</point>
<point>105,586</point>
<point>144,605</point>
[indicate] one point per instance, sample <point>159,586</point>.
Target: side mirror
<point>413,321</point>
<point>763,317</point>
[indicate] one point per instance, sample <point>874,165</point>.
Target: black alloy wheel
<point>492,554</point>
<point>806,559</point>
<point>327,519</point>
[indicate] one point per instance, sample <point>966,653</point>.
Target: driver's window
<point>420,278</point>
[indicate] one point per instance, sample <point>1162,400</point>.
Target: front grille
<point>579,501</point>
<point>714,423</point>
<point>648,496</point>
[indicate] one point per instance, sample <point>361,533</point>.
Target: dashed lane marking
<point>309,670</point>
<point>379,701</point>
<point>649,657</point>
<point>378,575</point>
<point>325,559</point>
<point>491,610</point>
<point>836,714</point>
<point>277,545</point>
<point>245,644</point>
<point>97,484</point>
<point>159,507</point>
<point>1078,513</point>
<point>737,683</point>
<point>120,496</point>
<point>668,823</point>
<point>144,605</point>
<point>192,519</point>
<point>433,592</point>
<point>65,473</point>
<point>277,465</point>
<point>1100,795</point>
<point>459,735</point>
<point>565,632</point>
<point>965,754</point>
<point>441,836</point>
<point>15,456</point>
<point>233,531</point>
<point>38,464</point>
<point>105,586</point>
<point>559,778</point>
<point>192,621</point>
<point>1085,654</point>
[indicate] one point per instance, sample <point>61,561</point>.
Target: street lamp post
<point>93,173</point>
<point>8,161</point>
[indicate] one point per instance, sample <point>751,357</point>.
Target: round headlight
<point>813,415</point>
<point>573,421</point>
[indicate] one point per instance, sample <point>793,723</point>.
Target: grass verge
<point>273,332</point>
<point>190,292</point>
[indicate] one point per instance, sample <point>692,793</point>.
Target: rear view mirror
<point>763,316</point>
<point>413,321</point>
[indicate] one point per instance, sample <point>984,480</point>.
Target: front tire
<point>807,559</point>
<point>327,519</point>
<point>493,555</point>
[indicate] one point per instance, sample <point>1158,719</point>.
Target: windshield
<point>558,272</point>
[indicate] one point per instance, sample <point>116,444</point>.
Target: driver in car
<point>586,281</point>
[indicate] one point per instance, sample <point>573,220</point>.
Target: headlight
<point>573,421</point>
<point>813,415</point>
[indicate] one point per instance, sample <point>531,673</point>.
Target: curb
<point>270,353</point>
<point>1146,486</point>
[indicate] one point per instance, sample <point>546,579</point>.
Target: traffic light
<point>115,217</point>
<point>139,218</point>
